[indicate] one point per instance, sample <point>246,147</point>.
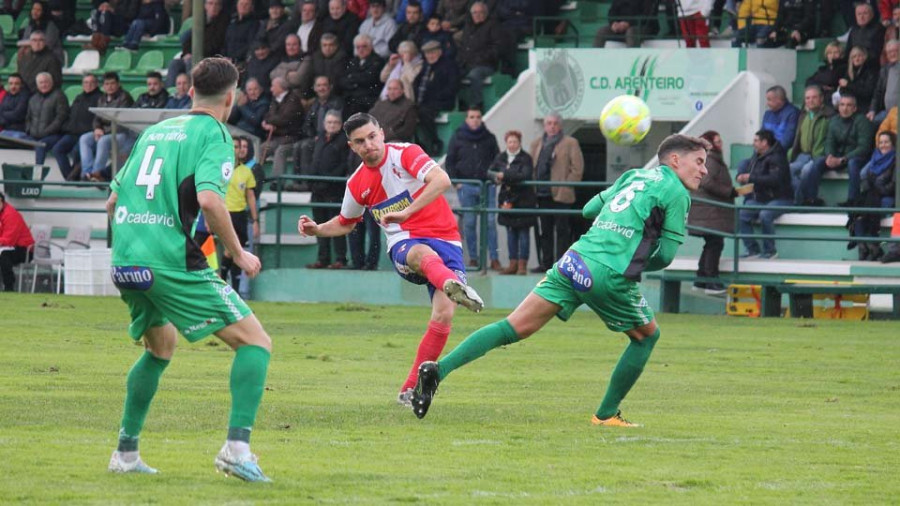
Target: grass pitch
<point>734,411</point>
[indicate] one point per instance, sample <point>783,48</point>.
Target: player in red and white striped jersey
<point>403,188</point>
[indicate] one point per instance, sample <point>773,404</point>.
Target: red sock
<point>429,349</point>
<point>435,271</point>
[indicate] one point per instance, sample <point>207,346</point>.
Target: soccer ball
<point>625,120</point>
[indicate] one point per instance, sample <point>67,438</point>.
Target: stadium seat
<point>11,66</point>
<point>137,91</point>
<point>150,60</point>
<point>87,61</point>
<point>6,24</point>
<point>117,61</point>
<point>72,91</point>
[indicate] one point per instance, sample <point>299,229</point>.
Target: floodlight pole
<point>197,31</point>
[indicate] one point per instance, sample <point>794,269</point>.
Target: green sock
<point>477,344</point>
<point>625,375</point>
<point>143,380</point>
<point>248,380</point>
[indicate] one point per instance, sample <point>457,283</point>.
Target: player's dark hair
<point>111,76</point>
<point>680,143</point>
<point>766,135</point>
<point>214,76</point>
<point>358,120</point>
<point>154,75</point>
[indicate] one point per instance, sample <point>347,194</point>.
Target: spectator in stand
<point>512,166</point>
<point>105,22</point>
<point>453,14</point>
<point>436,87</point>
<point>629,21</point>
<point>329,61</point>
<point>214,31</point>
<point>62,13</point>
<point>860,80</point>
<point>12,7</point>
<point>848,144</point>
<point>756,20</point>
<point>240,33</point>
<point>479,51</point>
<point>181,99</point>
<point>250,109</point>
<point>878,180</point>
<point>309,32</point>
<point>289,67</point>
<point>341,23</point>
<point>435,31</point>
<point>426,8</point>
<point>396,114</point>
<point>95,146</point>
<point>48,111</point>
<point>359,8</point>
<point>379,28</point>
<point>156,95</point>
<point>282,123</point>
<point>809,141</point>
<point>471,152</point>
<point>716,185</point>
<point>274,30</point>
<point>557,157</point>
<point>692,20</point>
<point>152,19</point>
<point>885,10</point>
<point>405,65</point>
<point>781,116</point>
<point>261,64</point>
<point>360,83</point>
<point>832,70</point>
<point>794,25</point>
<point>15,241</point>
<point>36,59</point>
<point>409,30</point>
<point>517,16</point>
<point>314,123</point>
<point>39,21</point>
<point>889,124</point>
<point>79,122</point>
<point>888,85</point>
<point>330,158</point>
<point>769,173</point>
<point>867,33</point>
<point>14,106</point>
<point>891,32</point>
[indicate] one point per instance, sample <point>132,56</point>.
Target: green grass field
<point>734,411</point>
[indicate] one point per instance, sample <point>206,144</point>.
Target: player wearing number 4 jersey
<point>638,224</point>
<point>403,187</point>
<point>178,168</point>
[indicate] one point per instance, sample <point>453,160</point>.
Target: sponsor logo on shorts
<point>202,325</point>
<point>146,218</point>
<point>132,278</point>
<point>402,268</point>
<point>573,267</point>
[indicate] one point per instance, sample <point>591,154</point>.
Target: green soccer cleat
<point>244,468</point>
<point>117,465</point>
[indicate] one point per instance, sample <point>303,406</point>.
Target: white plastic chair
<point>42,254</point>
<point>86,61</point>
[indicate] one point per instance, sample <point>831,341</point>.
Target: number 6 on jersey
<point>149,176</point>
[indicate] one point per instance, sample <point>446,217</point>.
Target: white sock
<point>238,448</point>
<point>128,457</point>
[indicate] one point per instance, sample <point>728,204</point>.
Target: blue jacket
<point>13,110</point>
<point>783,123</point>
<point>428,7</point>
<point>178,103</point>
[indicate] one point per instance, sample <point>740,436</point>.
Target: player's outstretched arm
<point>663,256</point>
<point>219,222</point>
<point>331,228</point>
<point>436,183</point>
<point>593,207</point>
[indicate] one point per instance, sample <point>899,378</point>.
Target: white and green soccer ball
<point>625,120</point>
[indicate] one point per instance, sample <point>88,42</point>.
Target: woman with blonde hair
<point>404,65</point>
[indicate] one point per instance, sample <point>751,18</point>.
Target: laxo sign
<point>676,83</point>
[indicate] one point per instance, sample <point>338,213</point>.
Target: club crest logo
<point>560,84</point>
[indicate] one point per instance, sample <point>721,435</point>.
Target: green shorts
<point>198,303</point>
<point>573,281</point>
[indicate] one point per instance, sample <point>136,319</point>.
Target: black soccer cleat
<point>426,386</point>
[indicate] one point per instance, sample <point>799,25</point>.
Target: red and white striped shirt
<point>392,186</point>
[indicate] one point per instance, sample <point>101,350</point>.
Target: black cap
<point>275,3</point>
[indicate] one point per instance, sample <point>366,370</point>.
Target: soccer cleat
<point>404,398</point>
<point>613,421</point>
<point>463,294</point>
<point>244,468</point>
<point>117,465</point>
<point>426,386</point>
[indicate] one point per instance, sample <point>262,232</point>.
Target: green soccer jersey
<point>157,190</point>
<point>639,208</point>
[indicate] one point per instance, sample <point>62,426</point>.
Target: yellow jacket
<point>889,124</point>
<point>762,12</point>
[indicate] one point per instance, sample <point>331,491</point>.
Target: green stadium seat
<point>11,66</point>
<point>137,91</point>
<point>150,60</point>
<point>72,91</point>
<point>23,22</point>
<point>186,25</point>
<point>7,24</point>
<point>117,61</point>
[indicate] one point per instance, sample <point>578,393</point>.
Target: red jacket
<point>885,8</point>
<point>13,230</point>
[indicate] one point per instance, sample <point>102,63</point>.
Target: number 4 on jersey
<point>149,176</point>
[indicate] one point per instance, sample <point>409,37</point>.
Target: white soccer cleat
<point>117,465</point>
<point>404,398</point>
<point>463,295</point>
<point>244,467</point>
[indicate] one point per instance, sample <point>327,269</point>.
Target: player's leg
<point>625,375</point>
<point>432,343</point>
<point>252,346</point>
<point>141,386</point>
<point>428,263</point>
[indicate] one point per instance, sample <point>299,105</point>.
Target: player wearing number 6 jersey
<point>403,187</point>
<point>638,224</point>
<point>178,168</point>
